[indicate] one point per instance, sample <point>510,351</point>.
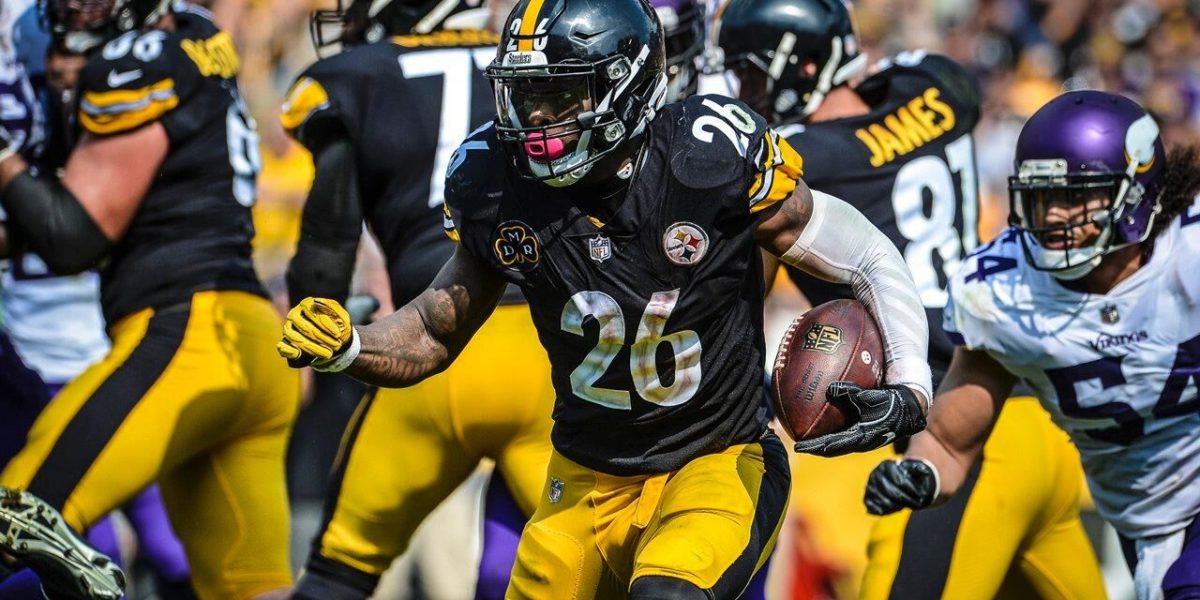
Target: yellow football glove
<point>318,332</point>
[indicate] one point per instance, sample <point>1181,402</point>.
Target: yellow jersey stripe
<point>529,25</point>
<point>306,97</point>
<point>768,164</point>
<point>121,110</point>
<point>783,177</point>
<point>114,101</point>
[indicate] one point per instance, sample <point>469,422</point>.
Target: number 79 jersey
<point>405,104</point>
<point>1119,372</point>
<point>652,318</point>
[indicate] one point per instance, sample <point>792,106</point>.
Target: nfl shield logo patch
<point>556,490</point>
<point>600,248</point>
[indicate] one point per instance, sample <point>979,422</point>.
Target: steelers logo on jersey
<point>517,246</point>
<point>685,244</point>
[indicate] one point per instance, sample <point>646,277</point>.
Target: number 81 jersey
<point>651,316</point>
<point>193,228</point>
<point>909,165</point>
<point>1119,372</point>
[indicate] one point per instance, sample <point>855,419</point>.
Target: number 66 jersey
<point>651,316</point>
<point>1119,372</point>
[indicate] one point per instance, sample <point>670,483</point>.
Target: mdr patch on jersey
<point>1117,371</point>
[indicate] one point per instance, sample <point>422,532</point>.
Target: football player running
<point>1089,297</point>
<point>633,229</point>
<point>378,501</point>
<point>160,184</point>
<point>890,143</point>
<point>382,119</point>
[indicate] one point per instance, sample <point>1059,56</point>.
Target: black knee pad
<point>324,579</point>
<point>655,587</point>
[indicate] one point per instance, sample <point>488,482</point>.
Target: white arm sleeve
<point>840,245</point>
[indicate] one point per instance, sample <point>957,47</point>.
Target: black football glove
<point>883,414</point>
<point>897,484</point>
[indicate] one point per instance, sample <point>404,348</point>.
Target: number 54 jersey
<point>652,317</point>
<point>1119,372</point>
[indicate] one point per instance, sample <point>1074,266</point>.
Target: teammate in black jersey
<point>898,145</point>
<point>382,119</point>
<point>159,187</point>
<point>633,229</point>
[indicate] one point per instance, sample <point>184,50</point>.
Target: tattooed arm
<point>426,335</point>
<point>419,340</point>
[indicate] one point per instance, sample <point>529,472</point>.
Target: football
<point>836,341</point>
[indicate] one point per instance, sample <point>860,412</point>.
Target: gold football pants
<point>195,397</point>
<point>407,449</point>
<point>1013,531</point>
<point>712,523</point>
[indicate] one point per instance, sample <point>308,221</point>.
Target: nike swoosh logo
<point>116,79</point>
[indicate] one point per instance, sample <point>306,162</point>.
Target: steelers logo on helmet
<point>516,246</point>
<point>685,244</point>
<point>574,81</point>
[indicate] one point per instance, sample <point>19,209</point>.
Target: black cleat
<point>36,534</point>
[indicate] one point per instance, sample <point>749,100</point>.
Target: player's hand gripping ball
<point>317,330</point>
<point>827,384</point>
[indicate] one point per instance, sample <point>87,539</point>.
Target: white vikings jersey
<point>54,322</point>
<point>1119,372</point>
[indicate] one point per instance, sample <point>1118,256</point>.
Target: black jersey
<point>909,166</point>
<point>653,319</point>
<point>405,104</point>
<point>193,229</point>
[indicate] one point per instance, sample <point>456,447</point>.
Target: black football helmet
<point>778,37</point>
<point>352,22</point>
<point>577,81</point>
<point>79,26</point>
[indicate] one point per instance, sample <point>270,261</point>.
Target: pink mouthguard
<point>544,150</point>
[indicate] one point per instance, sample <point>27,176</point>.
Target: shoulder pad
<point>713,140</point>
<point>136,79</point>
<point>472,168</point>
<point>310,103</point>
<point>989,285</point>
<point>914,70</point>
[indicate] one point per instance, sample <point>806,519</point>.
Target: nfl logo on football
<point>600,248</point>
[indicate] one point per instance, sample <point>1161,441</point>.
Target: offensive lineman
<point>633,230</point>
<point>1089,297</point>
<point>898,140</point>
<point>160,184</point>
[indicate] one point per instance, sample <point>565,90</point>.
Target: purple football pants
<point>1182,579</point>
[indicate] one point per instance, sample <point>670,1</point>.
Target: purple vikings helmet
<point>1082,146</point>
<point>683,23</point>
